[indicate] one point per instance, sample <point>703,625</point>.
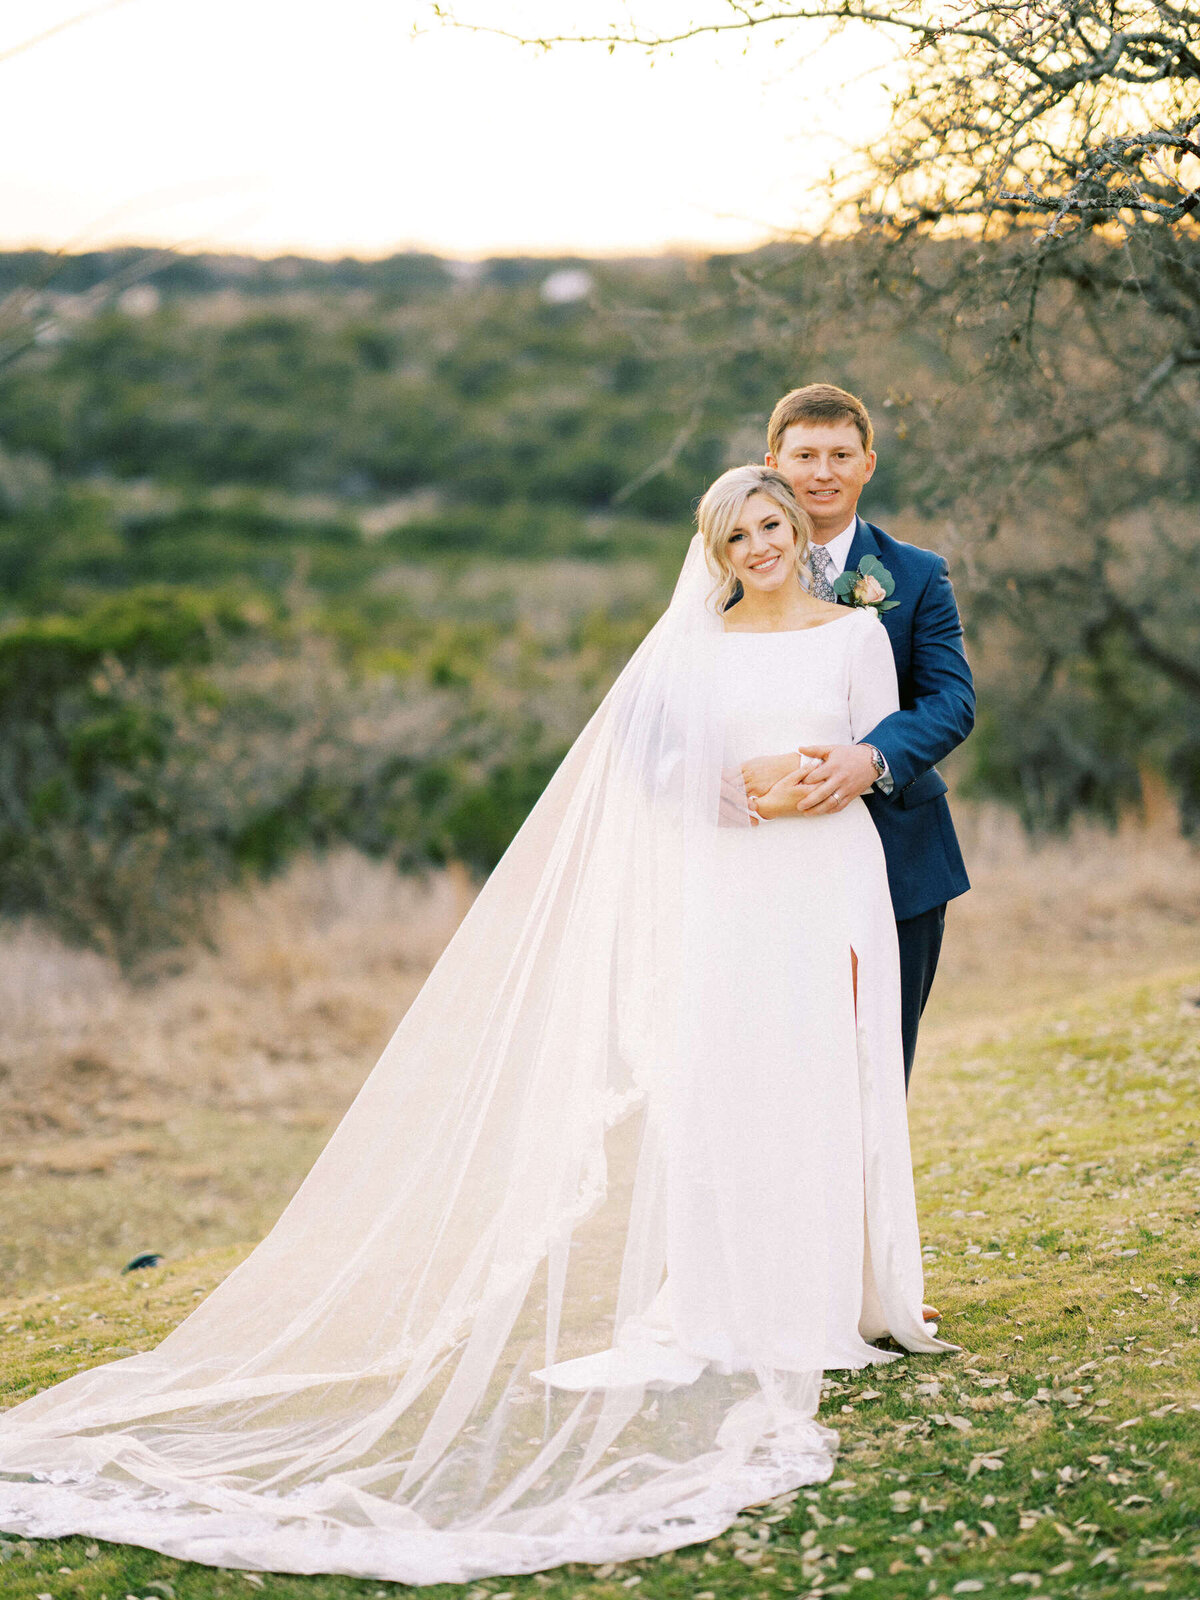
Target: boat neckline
<point>770,633</point>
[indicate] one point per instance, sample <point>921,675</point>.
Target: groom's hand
<point>844,771</point>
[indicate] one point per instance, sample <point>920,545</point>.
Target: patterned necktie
<point>818,560</point>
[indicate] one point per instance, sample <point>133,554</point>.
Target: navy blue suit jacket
<point>937,712</point>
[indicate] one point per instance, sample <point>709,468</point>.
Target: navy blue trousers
<point>920,945</point>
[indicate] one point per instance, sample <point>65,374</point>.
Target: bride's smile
<point>762,547</point>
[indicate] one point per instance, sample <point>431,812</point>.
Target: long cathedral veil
<point>362,1395</point>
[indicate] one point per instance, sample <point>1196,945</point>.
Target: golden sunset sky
<point>330,128</point>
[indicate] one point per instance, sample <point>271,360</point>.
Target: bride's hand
<point>767,787</point>
<point>735,810</point>
<point>762,772</point>
<point>781,798</point>
<point>784,795</point>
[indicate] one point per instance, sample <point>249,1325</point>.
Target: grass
<point>179,1115</point>
<point>1056,1455</point>
<point>1059,1186</point>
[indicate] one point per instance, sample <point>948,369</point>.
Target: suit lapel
<point>864,543</point>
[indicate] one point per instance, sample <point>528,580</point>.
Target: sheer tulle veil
<point>361,1395</point>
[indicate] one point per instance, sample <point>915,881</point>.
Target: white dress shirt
<point>838,549</point>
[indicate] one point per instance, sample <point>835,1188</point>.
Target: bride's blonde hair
<point>717,516</point>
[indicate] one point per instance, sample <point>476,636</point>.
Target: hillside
<point>302,555</point>
<point>1058,1188</point>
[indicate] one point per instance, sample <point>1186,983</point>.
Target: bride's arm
<point>873,692</point>
<point>845,771</point>
<point>839,773</point>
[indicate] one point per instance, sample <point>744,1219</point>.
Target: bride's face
<point>762,547</point>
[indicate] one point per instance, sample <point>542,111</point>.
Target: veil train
<point>363,1394</point>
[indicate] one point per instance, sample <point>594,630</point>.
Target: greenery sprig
<point>871,586</point>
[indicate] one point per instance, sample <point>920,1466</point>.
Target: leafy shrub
<point>159,744</point>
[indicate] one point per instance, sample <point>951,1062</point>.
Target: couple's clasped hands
<point>815,780</point>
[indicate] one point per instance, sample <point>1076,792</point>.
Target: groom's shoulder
<point>912,559</point>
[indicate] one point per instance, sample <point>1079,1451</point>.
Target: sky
<point>329,128</point>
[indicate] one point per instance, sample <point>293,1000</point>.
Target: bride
<point>632,1172</point>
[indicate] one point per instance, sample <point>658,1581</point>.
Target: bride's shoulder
<point>867,616</point>
<point>866,638</point>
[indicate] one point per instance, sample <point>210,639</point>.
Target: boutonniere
<point>868,588</point>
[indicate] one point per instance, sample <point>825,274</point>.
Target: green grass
<point>1058,1455</point>
<point>202,1176</point>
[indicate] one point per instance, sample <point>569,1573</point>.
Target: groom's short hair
<point>818,403</point>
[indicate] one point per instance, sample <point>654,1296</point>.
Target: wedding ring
<point>836,798</point>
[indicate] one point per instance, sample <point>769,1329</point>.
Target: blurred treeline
<point>295,553</point>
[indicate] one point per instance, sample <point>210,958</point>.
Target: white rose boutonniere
<point>870,588</point>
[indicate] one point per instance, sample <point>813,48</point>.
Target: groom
<point>820,438</point>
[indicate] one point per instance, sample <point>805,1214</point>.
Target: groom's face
<point>827,466</point>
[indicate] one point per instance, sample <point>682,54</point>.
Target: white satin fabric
<point>628,1177</point>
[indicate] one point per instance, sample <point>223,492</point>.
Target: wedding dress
<point>632,1172</point>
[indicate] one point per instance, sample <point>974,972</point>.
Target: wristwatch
<point>879,763</point>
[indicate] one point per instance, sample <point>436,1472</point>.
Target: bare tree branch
<point>15,50</point>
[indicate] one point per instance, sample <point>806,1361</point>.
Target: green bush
<point>481,822</point>
<point>157,745</point>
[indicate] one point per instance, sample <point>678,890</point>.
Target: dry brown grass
<point>1063,916</point>
<point>179,1114</point>
<point>306,977</point>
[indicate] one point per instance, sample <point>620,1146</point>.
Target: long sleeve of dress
<point>940,712</point>
<point>872,690</point>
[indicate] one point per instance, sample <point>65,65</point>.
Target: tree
<point>1082,113</point>
<point>1036,203</point>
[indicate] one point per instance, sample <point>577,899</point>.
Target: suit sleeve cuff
<point>884,783</point>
